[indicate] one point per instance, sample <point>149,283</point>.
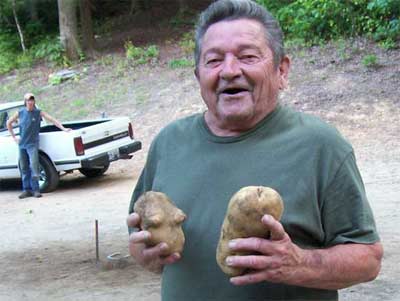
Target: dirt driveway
<point>48,245</point>
<point>47,249</point>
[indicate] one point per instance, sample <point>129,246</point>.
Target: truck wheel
<point>94,172</point>
<point>49,177</point>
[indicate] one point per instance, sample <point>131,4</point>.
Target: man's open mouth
<point>233,91</point>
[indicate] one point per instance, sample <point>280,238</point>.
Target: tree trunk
<point>88,41</point>
<point>33,10</point>
<point>182,5</point>
<point>21,35</point>
<point>134,6</point>
<point>68,21</point>
<point>139,5</point>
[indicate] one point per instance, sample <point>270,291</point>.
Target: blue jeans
<point>29,167</point>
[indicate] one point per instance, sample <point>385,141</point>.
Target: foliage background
<point>305,22</point>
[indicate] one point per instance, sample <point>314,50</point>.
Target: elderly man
<point>28,143</point>
<point>326,239</point>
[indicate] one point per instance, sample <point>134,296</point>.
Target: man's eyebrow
<point>249,46</point>
<point>214,50</point>
<point>217,50</point>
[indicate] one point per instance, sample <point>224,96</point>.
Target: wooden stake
<point>97,240</point>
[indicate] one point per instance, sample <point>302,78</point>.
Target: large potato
<point>243,219</point>
<point>162,219</point>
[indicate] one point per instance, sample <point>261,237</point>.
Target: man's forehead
<point>238,25</point>
<point>245,31</point>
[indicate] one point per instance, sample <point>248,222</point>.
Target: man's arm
<point>282,261</point>
<point>10,121</point>
<point>54,121</point>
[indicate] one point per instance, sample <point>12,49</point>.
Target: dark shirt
<point>29,127</point>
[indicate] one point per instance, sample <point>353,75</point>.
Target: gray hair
<point>228,10</point>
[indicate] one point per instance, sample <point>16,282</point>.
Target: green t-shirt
<point>304,159</point>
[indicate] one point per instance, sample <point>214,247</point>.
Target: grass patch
<point>186,43</point>
<point>180,63</point>
<point>370,61</point>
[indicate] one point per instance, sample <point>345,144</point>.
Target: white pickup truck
<point>89,147</point>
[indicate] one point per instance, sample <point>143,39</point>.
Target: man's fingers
<point>156,252</point>
<point>254,262</point>
<point>256,244</point>
<point>262,245</point>
<point>139,237</point>
<point>133,220</point>
<point>171,258</point>
<point>275,227</point>
<point>255,277</point>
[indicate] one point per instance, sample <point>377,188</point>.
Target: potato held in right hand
<point>243,219</point>
<point>162,219</point>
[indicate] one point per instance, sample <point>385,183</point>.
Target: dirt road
<point>47,249</point>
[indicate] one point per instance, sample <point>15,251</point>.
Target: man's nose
<point>230,68</point>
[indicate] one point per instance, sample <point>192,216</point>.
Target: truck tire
<point>49,176</point>
<point>94,172</point>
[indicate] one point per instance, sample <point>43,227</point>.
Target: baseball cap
<point>28,96</point>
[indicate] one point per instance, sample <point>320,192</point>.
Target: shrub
<point>34,32</point>
<point>183,18</point>
<point>370,60</point>
<point>50,49</point>
<point>55,79</point>
<point>274,6</point>
<point>24,60</point>
<point>316,20</point>
<point>187,43</point>
<point>7,62</point>
<point>382,20</point>
<point>139,55</point>
<point>9,47</point>
<point>152,52</point>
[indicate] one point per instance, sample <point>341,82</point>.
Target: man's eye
<point>249,59</point>
<point>213,62</point>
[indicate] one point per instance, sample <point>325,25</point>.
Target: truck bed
<point>76,125</point>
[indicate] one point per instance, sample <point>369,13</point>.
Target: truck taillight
<point>79,148</point>
<point>130,130</point>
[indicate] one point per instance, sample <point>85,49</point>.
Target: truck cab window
<point>3,120</point>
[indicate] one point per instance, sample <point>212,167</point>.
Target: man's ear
<point>196,73</point>
<point>284,68</point>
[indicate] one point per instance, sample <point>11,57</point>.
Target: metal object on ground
<point>116,260</point>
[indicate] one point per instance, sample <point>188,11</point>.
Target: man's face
<point>238,80</point>
<point>30,104</point>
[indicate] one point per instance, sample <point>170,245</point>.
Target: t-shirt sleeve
<point>145,181</point>
<point>346,214</point>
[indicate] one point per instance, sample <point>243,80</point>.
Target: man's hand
<point>152,258</point>
<point>16,139</point>
<point>279,259</point>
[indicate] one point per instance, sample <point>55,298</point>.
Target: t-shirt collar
<point>230,139</point>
